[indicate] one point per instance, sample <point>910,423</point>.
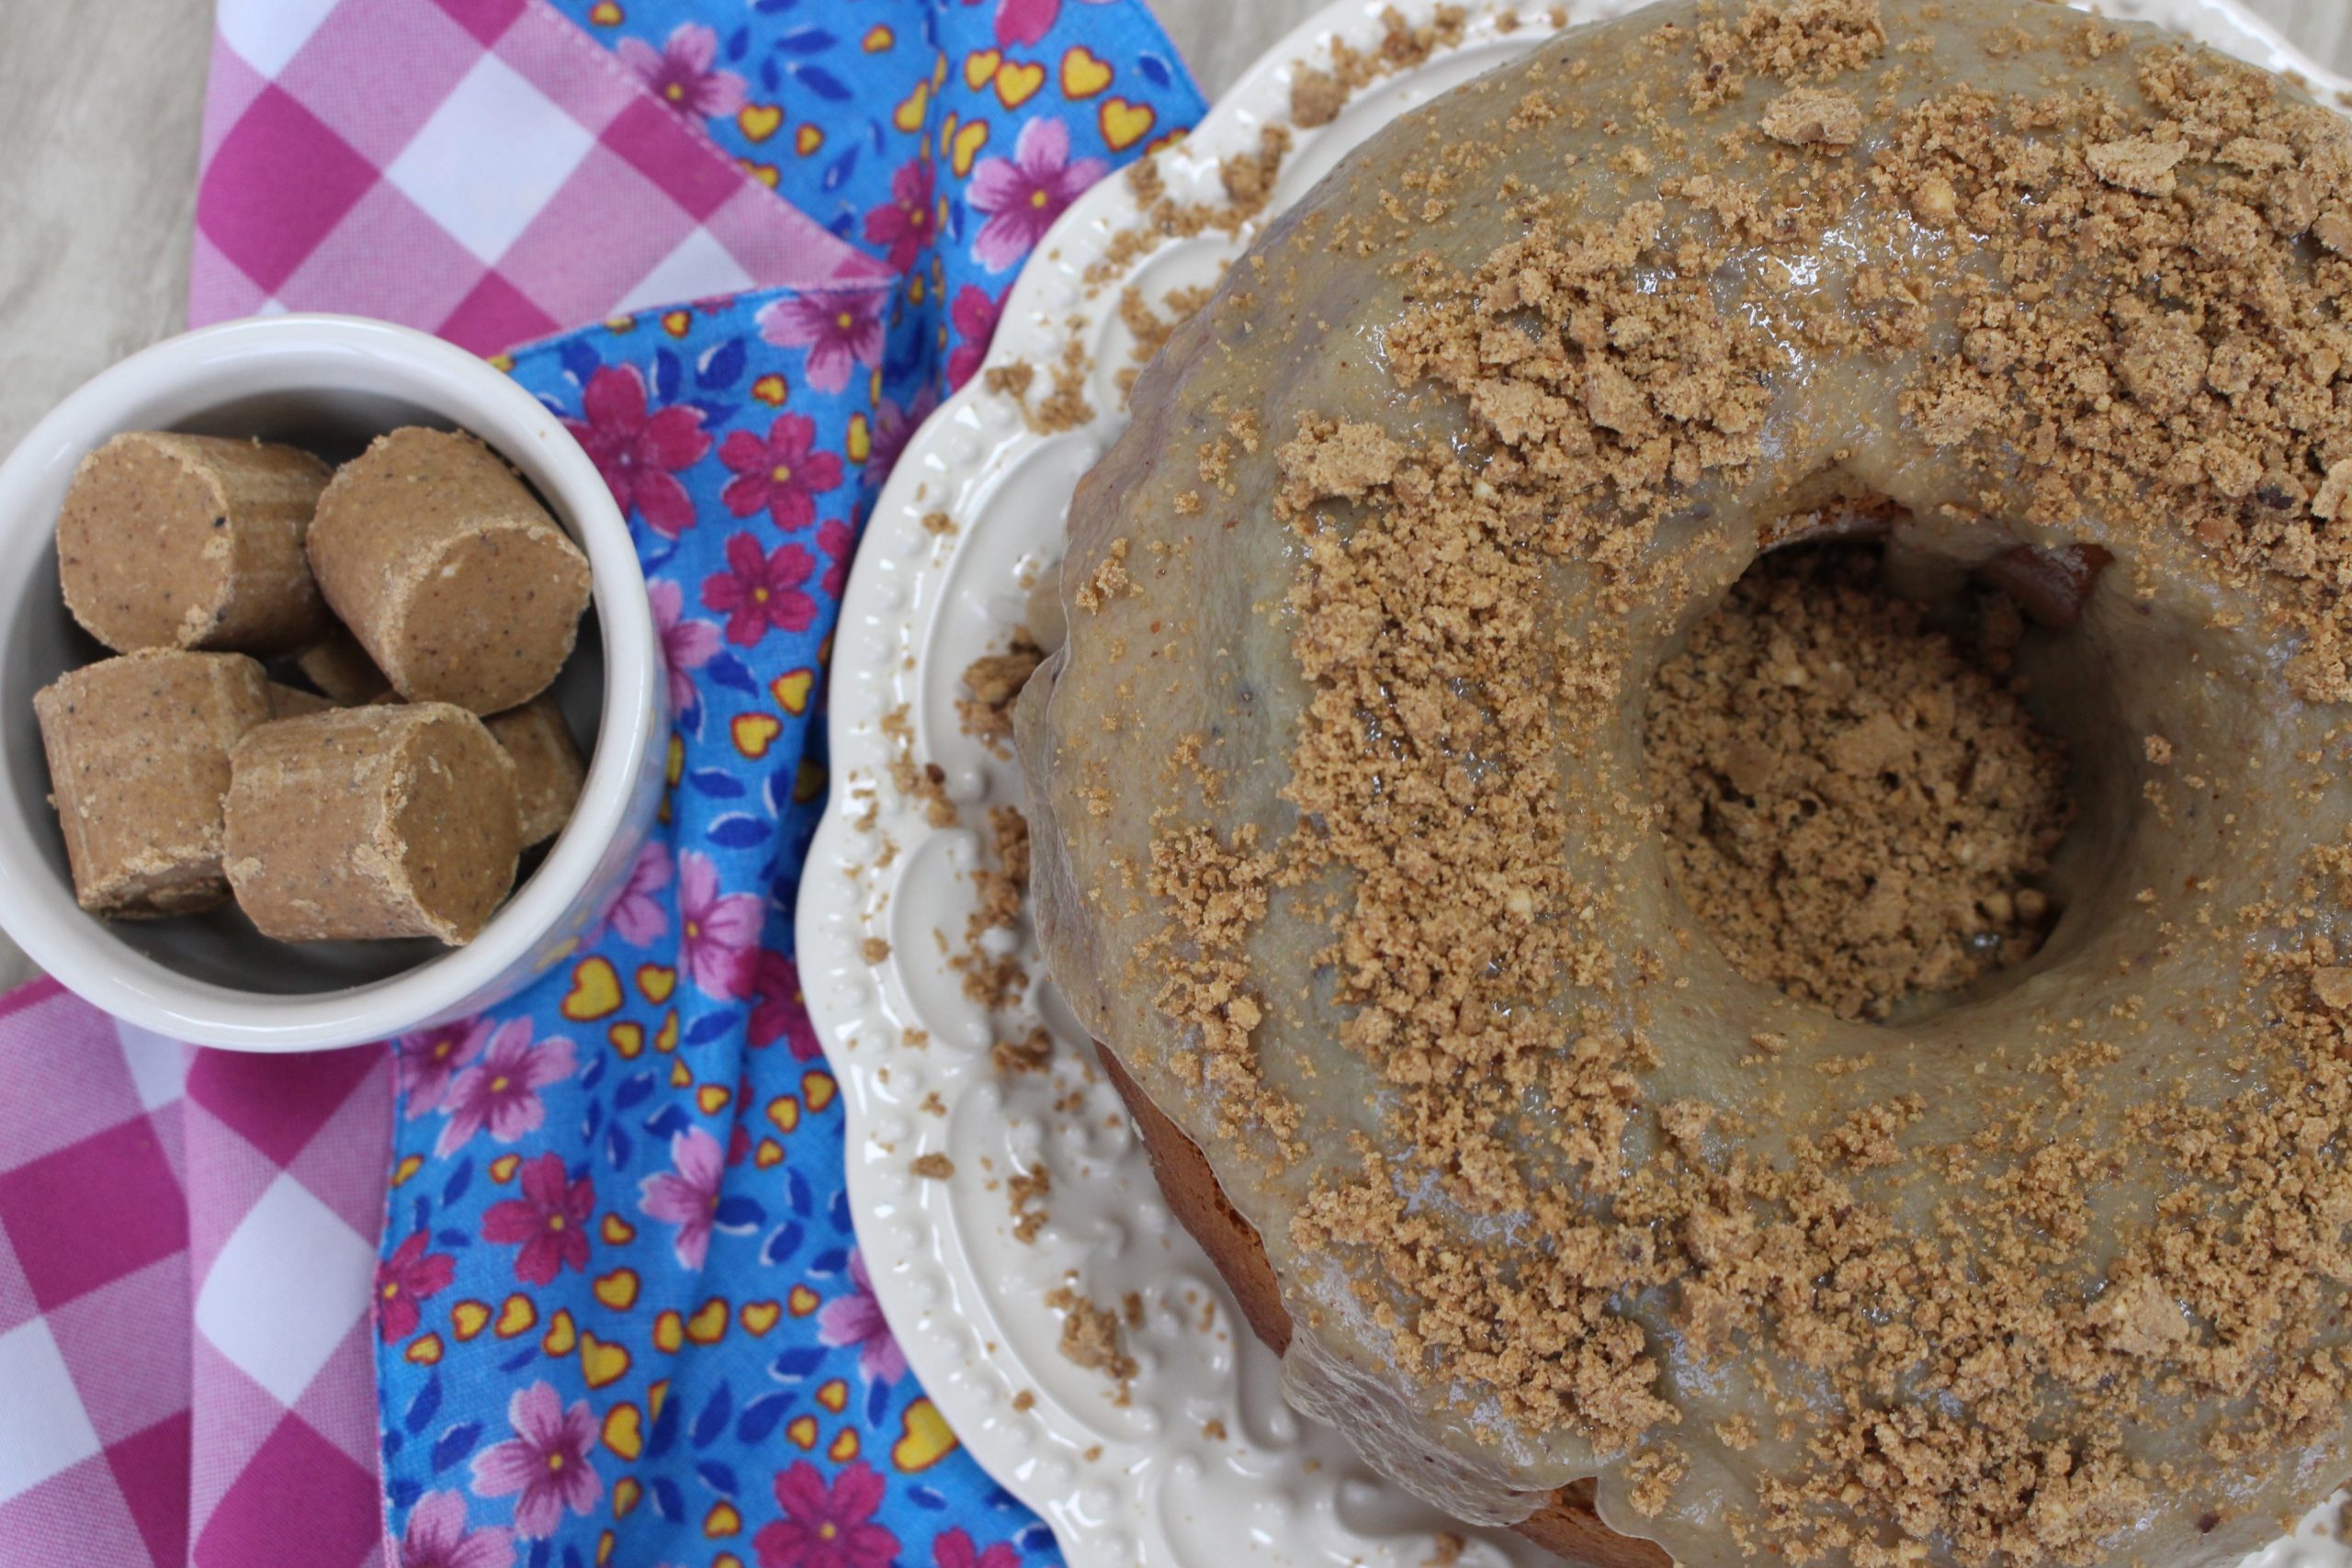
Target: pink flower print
<point>826,1527</point>
<point>405,1278</point>
<point>856,1319</point>
<point>436,1537</point>
<point>838,329</point>
<point>954,1549</point>
<point>721,934</point>
<point>686,645</point>
<point>779,1011</point>
<point>637,914</point>
<point>640,454</point>
<point>836,539</point>
<point>687,1197</point>
<point>426,1061</point>
<point>781,474</point>
<point>904,223</point>
<point>758,592</point>
<point>893,428</point>
<point>1022,22</point>
<point>680,73</point>
<point>550,1220</point>
<point>546,1460</point>
<point>974,315</point>
<point>1023,193</point>
<point>502,1091</point>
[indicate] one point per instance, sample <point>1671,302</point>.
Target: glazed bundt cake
<point>1345,851</point>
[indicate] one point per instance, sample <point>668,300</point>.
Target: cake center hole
<point>1856,804</point>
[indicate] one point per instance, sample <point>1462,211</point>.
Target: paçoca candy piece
<point>448,571</point>
<point>338,666</point>
<point>548,771</point>
<point>191,541</point>
<point>137,763</point>
<point>390,820</point>
<point>293,701</point>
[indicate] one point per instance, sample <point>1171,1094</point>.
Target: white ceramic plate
<point>1205,1466</point>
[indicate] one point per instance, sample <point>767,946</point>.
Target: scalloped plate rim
<point>969,438</point>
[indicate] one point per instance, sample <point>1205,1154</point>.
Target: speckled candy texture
<point>138,760</point>
<point>549,770</point>
<point>382,821</point>
<point>448,571</point>
<point>191,541</point>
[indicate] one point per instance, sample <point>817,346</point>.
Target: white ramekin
<point>330,382</point>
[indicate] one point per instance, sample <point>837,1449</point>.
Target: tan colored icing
<point>1342,843</point>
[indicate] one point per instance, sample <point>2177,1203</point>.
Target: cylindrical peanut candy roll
<point>382,821</point>
<point>138,764</point>
<point>448,571</point>
<point>191,541</point>
<point>548,771</point>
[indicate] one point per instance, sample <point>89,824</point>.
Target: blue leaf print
<point>736,1214</point>
<point>593,1073</point>
<point>837,171</point>
<point>618,1146</point>
<point>459,1179</point>
<point>403,1492</point>
<point>421,1214</point>
<point>632,1090</point>
<point>924,1496</point>
<point>837,1213</point>
<point>667,374</point>
<point>542,1554</point>
<point>572,1558</point>
<point>737,42</point>
<point>668,1119</point>
<point>771,7</point>
<point>725,670</point>
<point>664,1433</point>
<point>393,1443</point>
<point>711,1026</point>
<point>796,1363</point>
<point>453,1239</point>
<point>713,412</point>
<point>424,1406</point>
<point>770,77</point>
<point>592,1121</point>
<point>668,1501</point>
<point>579,361</point>
<point>718,1477</point>
<point>828,1265</point>
<point>782,1243</point>
<point>878,1402</point>
<point>1036,1537</point>
<point>711,1425</point>
<point>454,1444</point>
<point>737,831</point>
<point>519,1360</point>
<point>795,1191</point>
<point>722,365</point>
<point>806,41</point>
<point>715,784</point>
<point>823,83</point>
<point>760,1417</point>
<point>1155,70</point>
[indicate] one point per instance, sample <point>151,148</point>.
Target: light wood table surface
<point>100,102</point>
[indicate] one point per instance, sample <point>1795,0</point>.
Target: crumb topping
<point>2057,1284</point>
<point>1852,808</point>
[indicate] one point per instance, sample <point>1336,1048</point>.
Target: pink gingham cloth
<point>474,167</point>
<point>187,1239</point>
<point>186,1245</point>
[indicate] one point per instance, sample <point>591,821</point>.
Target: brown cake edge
<point>1567,1525</point>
